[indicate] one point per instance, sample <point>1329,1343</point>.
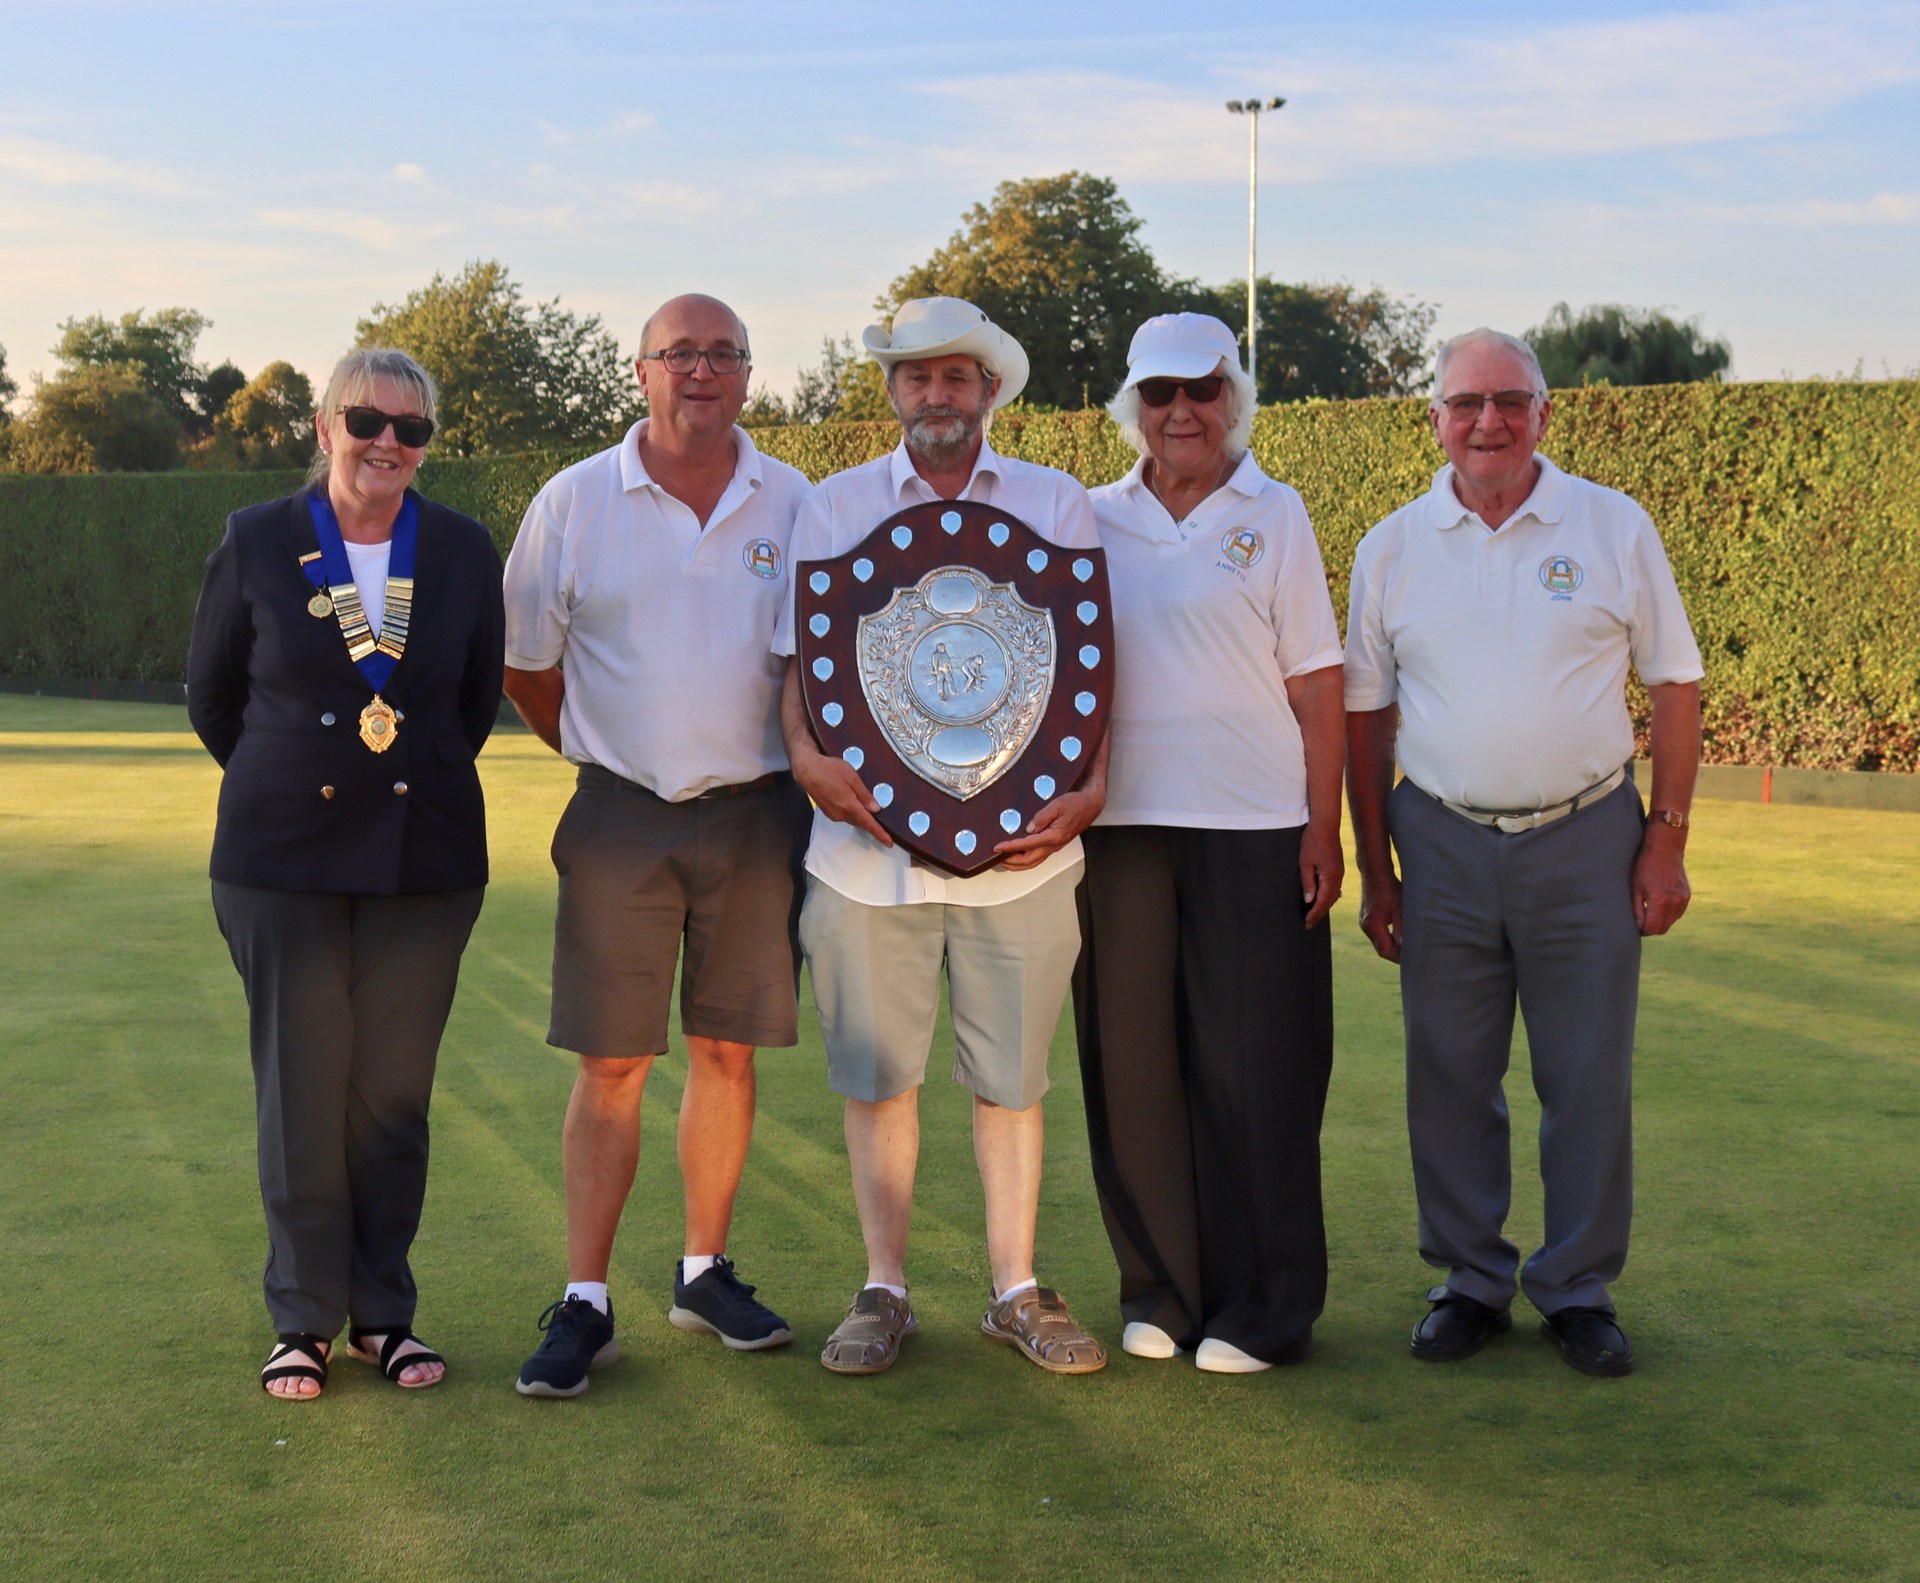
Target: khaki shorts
<point>876,982</point>
<point>638,877</point>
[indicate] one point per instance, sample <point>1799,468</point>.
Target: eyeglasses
<point>721,360</point>
<point>365,423</point>
<point>1508,403</point>
<point>1160,392</point>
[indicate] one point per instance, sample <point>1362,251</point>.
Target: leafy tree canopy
<point>1608,344</point>
<point>219,387</point>
<point>96,420</point>
<point>1057,262</point>
<point>267,423</point>
<point>1329,341</point>
<point>157,346</point>
<point>9,388</point>
<point>513,376</point>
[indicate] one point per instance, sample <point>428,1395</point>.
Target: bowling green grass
<point>1772,1430</point>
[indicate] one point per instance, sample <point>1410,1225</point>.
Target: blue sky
<point>282,167</point>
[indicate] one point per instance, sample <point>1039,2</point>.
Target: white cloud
<point>678,199</point>
<point>1653,83</point>
<point>623,124</point>
<point>373,231</point>
<point>1884,208</point>
<point>60,165</point>
<point>411,175</point>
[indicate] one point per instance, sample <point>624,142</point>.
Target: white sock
<point>594,1292</point>
<point>881,1286</point>
<point>695,1265</point>
<point>1014,1291</point>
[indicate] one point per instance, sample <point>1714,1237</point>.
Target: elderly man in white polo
<point>1491,626</point>
<point>877,928</point>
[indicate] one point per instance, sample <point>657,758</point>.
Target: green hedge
<point>1791,513</point>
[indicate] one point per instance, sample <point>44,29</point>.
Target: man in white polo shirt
<point>642,593</point>
<point>1491,627</point>
<point>877,927</point>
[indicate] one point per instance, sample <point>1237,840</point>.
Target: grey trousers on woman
<point>1544,918</point>
<point>347,997</point>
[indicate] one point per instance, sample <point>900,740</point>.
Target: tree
<point>96,420</point>
<point>219,387</point>
<point>268,423</point>
<point>845,386</point>
<point>1608,344</point>
<point>511,376</point>
<point>1057,263</point>
<point>157,347</point>
<point>1330,341</point>
<point>9,388</point>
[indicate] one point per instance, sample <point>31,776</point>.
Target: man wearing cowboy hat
<point>1008,936</point>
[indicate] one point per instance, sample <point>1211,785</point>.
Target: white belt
<point>1516,820</point>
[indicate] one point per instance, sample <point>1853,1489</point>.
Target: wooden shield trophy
<point>963,665</point>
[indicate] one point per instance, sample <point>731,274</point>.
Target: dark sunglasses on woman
<point>365,423</point>
<point>1160,392</point>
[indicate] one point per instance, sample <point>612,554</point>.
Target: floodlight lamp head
<point>1236,106</point>
<point>1274,104</point>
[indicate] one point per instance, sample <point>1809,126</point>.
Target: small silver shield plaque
<point>957,670</point>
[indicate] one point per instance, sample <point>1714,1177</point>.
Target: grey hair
<point>1484,337</point>
<point>352,382</point>
<point>1240,396</point>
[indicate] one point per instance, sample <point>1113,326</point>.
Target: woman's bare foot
<point>301,1353</point>
<point>368,1344</point>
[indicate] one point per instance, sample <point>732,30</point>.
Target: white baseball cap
<point>935,326</point>
<point>1179,346</point>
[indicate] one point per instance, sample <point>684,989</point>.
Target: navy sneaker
<point>721,1304</point>
<point>578,1338</point>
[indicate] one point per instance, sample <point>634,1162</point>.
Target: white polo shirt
<point>1507,651</point>
<point>1211,616</point>
<point>843,510</point>
<point>662,626</point>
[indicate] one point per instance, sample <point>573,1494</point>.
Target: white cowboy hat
<point>934,326</point>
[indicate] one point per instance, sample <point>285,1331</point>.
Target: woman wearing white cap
<point>1204,996</point>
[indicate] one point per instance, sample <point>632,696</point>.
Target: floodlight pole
<point>1252,110</point>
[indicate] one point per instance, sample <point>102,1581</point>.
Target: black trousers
<point>347,997</point>
<point>1205,1019</point>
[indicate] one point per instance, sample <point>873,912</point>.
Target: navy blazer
<point>305,805</point>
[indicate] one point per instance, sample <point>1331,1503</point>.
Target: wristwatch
<point>1667,816</point>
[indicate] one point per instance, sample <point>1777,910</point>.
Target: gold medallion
<point>319,605</point>
<point>379,725</point>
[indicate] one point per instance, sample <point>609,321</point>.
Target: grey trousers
<point>1545,916</point>
<point>347,997</point>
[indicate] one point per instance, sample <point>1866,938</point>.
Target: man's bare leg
<point>883,1146</point>
<point>599,1152</point>
<point>1007,1146</point>
<point>716,1125</point>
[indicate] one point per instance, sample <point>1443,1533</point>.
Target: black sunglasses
<point>365,423</point>
<point>1160,392</point>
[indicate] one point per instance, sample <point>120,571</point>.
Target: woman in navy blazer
<point>345,671</point>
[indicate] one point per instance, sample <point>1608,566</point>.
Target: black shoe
<point>1456,1327</point>
<point>1590,1339</point>
<point>578,1338</point>
<point>719,1303</point>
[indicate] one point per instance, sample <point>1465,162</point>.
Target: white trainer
<point>1147,1341</point>
<point>1223,1357</point>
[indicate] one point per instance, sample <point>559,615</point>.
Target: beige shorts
<point>641,877</point>
<point>876,982</point>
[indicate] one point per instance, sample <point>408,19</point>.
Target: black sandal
<point>294,1344</point>
<point>390,1365</point>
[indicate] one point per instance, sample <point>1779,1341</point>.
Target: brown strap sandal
<point>1037,1322</point>
<point>869,1338</point>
